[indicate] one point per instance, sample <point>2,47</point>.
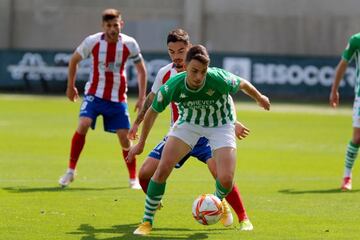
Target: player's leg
<point>150,164</point>
<point>352,148</point>
<point>350,157</point>
<point>224,149</point>
<point>174,150</point>
<point>116,120</point>
<point>225,167</point>
<point>125,145</point>
<point>202,152</point>
<point>87,118</point>
<point>177,146</point>
<point>235,201</point>
<point>146,171</point>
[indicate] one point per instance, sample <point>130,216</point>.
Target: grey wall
<point>316,27</point>
<point>319,27</point>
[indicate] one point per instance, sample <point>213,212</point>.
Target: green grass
<point>288,171</point>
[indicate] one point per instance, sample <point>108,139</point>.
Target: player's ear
<point>122,23</point>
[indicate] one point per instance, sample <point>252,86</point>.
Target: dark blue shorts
<point>201,151</point>
<point>115,114</point>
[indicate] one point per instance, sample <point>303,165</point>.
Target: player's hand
<point>334,99</point>
<point>264,102</point>
<point>72,93</point>
<point>132,134</point>
<point>135,150</point>
<point>139,104</point>
<point>241,131</point>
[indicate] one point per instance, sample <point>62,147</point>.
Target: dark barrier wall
<point>280,77</point>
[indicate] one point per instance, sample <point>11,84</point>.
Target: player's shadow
<point>24,189</point>
<point>322,191</point>
<point>89,232</point>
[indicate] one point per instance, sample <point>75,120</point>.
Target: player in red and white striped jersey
<point>178,44</point>
<point>105,91</point>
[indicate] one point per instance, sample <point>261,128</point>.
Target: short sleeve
<point>85,48</point>
<point>162,99</point>
<point>352,46</point>
<point>135,53</point>
<point>232,81</point>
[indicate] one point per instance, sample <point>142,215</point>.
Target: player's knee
<point>144,174</point>
<point>356,139</point>
<point>162,174</point>
<point>226,181</point>
<point>83,127</point>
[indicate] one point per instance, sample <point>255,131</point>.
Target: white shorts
<point>222,136</point>
<point>356,113</point>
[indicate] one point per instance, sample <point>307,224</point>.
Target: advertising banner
<point>279,77</point>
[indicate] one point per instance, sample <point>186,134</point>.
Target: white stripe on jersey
<point>225,109</point>
<point>211,119</point>
<point>193,117</point>
<point>102,61</point>
<point>202,117</point>
<point>218,112</point>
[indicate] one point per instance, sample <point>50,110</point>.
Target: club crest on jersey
<point>210,92</point>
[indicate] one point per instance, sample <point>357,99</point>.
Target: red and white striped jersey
<point>164,74</point>
<point>108,76</point>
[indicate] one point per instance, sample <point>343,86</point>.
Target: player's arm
<point>339,74</point>
<point>251,91</point>
<point>71,90</point>
<point>141,74</point>
<point>132,135</point>
<point>149,120</point>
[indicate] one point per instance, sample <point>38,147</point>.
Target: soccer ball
<point>207,209</point>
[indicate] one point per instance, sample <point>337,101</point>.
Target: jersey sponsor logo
<point>110,67</point>
<point>199,104</point>
<point>166,88</point>
<point>210,92</point>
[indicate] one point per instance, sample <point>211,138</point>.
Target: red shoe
<point>346,185</point>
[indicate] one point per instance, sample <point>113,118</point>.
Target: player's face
<point>177,52</point>
<point>112,29</point>
<point>196,73</point>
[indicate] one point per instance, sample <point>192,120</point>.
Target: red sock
<point>130,166</point>
<point>236,203</point>
<point>77,144</point>
<point>144,184</point>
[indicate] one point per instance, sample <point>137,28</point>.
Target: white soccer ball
<point>207,209</point>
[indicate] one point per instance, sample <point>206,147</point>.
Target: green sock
<point>350,157</point>
<point>153,197</point>
<point>221,192</point>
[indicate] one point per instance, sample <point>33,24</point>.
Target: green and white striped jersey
<point>208,106</point>
<point>352,51</point>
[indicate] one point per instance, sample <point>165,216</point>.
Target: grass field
<point>289,171</point>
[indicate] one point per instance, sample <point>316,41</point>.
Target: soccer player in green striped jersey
<point>202,96</point>
<point>352,51</point>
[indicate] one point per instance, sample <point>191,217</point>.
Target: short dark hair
<point>178,35</point>
<point>110,14</point>
<point>198,52</point>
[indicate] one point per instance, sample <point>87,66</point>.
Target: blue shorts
<point>115,114</point>
<point>201,151</point>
